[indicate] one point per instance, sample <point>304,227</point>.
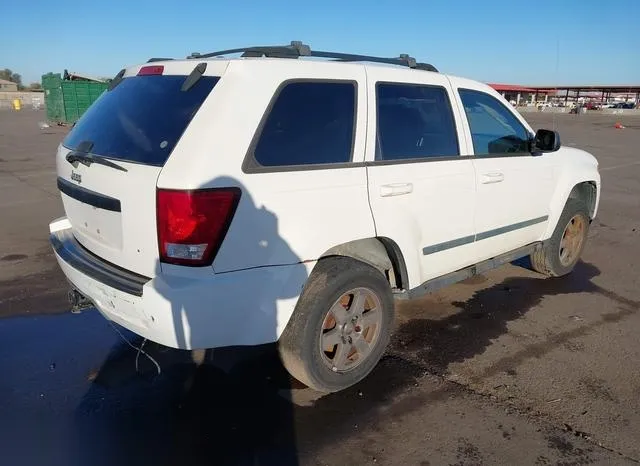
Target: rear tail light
<point>193,224</point>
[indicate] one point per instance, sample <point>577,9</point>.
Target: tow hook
<point>78,301</point>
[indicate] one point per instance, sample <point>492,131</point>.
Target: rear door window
<point>414,122</point>
<point>141,119</point>
<point>309,123</point>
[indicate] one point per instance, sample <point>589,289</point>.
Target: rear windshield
<point>141,119</point>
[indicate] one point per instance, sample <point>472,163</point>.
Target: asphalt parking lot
<point>506,368</point>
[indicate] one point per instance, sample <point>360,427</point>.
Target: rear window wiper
<point>87,159</point>
<point>194,76</point>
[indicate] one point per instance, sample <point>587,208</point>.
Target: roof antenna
<point>555,117</point>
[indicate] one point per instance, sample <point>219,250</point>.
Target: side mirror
<point>546,140</point>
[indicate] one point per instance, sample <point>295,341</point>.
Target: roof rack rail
<point>297,49</point>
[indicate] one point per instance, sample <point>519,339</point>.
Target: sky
<point>538,42</point>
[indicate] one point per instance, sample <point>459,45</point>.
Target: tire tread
<point>544,260</point>
<point>328,273</point>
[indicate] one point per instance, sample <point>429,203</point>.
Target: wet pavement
<point>29,199</point>
<point>506,368</point>
<point>74,398</point>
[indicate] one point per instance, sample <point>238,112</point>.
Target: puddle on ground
<point>13,257</point>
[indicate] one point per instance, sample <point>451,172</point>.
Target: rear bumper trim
<point>73,253</point>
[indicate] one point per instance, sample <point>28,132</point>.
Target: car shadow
<point>232,405</point>
<point>238,405</point>
<point>208,406</point>
<point>484,317</point>
<point>193,413</point>
<point>201,414</point>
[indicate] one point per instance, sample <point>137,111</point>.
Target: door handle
<point>493,177</point>
<point>395,189</point>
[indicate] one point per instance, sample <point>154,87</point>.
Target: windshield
<point>141,119</point>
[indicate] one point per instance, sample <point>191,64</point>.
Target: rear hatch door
<point>108,165</point>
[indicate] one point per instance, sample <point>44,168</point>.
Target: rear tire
<point>559,255</point>
<point>340,327</point>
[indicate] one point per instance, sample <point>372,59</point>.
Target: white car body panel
<point>128,238</point>
<point>303,212</point>
<point>512,203</point>
<point>287,219</point>
<point>196,313</point>
<point>575,166</point>
<point>125,238</point>
<point>511,191</point>
<point>440,205</point>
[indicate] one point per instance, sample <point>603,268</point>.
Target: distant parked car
<point>624,105</point>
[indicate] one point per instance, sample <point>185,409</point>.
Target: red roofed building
<point>520,95</point>
<point>511,88</point>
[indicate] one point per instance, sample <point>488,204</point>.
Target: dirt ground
<point>506,368</point>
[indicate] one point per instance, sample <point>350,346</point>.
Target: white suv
<point>217,201</point>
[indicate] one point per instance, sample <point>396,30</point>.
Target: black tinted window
<point>309,123</point>
<point>414,122</point>
<point>494,129</point>
<point>141,119</point>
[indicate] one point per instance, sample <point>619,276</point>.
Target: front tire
<point>340,327</point>
<point>560,254</point>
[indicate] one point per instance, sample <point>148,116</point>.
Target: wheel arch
<point>380,252</point>
<point>586,190</point>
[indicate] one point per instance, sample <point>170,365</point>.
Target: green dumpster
<point>67,99</point>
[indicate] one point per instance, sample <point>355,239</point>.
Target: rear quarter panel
<point>284,217</point>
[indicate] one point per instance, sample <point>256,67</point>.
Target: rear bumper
<point>248,307</point>
<point>75,255</point>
